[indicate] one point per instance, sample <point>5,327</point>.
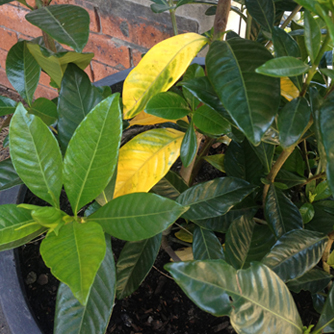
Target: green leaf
<point>214,198</point>
<point>77,97</point>
<point>22,71</point>
<point>326,321</point>
<point>216,161</point>
<point>247,242</point>
<point>265,152</point>
<point>170,186</point>
<point>54,64</point>
<point>312,35</point>
<point>67,24</point>
<point>284,44</point>
<point>167,105</point>
<point>281,213</point>
<point>314,280</point>
<point>92,152</point>
<point>75,255</point>
<point>206,246</point>
<point>322,191</point>
<point>210,284</point>
<point>73,318</point>
<point>134,263</point>
<point>292,121</point>
<point>45,109</point>
<point>36,155</point>
<point>8,175</point>
<point>323,217</point>
<point>295,163</point>
<point>262,11</point>
<point>16,227</point>
<point>7,106</point>
<point>307,212</point>
<point>295,253</point>
<point>108,193</point>
<point>189,146</point>
<point>234,79</point>
<point>137,216</point>
<point>211,121</point>
<point>283,67</point>
<point>288,178</point>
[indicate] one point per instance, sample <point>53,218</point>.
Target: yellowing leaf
<point>144,118</point>
<point>145,159</point>
<point>184,236</point>
<point>158,70</point>
<point>185,254</point>
<point>288,89</point>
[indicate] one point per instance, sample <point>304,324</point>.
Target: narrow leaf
<point>312,35</point>
<point>188,148</point>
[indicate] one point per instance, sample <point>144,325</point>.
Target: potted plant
<point>269,97</point>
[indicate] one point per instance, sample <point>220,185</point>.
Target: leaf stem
<point>173,18</point>
<point>249,26</point>
<point>168,249</point>
<point>315,177</point>
<point>291,16</point>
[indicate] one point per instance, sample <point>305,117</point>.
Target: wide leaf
<point>134,263</point>
<point>67,24</point>
<point>22,71</point>
<point>206,245</point>
<point>214,198</point>
<point>145,159</point>
<point>250,99</point>
<point>16,227</point>
<point>91,155</point>
<point>75,255</point>
<point>161,67</point>
<point>295,253</point>
<point>247,242</point>
<point>138,216</point>
<point>73,318</point>
<point>288,178</point>
<point>323,217</point>
<point>326,321</point>
<point>217,288</point>
<point>45,109</point>
<point>7,106</point>
<point>36,155</point>
<point>77,97</point>
<point>263,11</point>
<point>8,175</point>
<point>282,215</point>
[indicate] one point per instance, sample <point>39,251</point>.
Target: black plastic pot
<point>17,312</point>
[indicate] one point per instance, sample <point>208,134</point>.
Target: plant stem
<point>249,26</point>
<point>173,18</point>
<point>290,17</point>
<point>306,158</point>
<point>221,18</point>
<point>326,253</point>
<point>315,177</point>
<point>168,249</point>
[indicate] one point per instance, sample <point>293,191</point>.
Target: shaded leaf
<point>45,109</point>
<point>323,217</point>
<point>289,178</point>
<point>263,11</point>
<point>188,148</point>
<point>322,191</point>
<point>284,44</point>
<point>326,321</point>
<point>216,161</point>
<point>8,175</point>
<point>312,35</point>
<point>7,106</point>
<point>307,212</point>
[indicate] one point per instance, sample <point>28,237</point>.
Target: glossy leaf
<point>314,281</point>
<point>90,161</point>
<point>322,191</point>
<point>67,24</point>
<point>8,175</point>
<point>284,44</point>
<point>145,159</point>
<point>77,97</point>
<point>262,11</point>
<point>289,178</point>
<point>234,79</point>
<point>283,67</point>
<point>247,242</point>
<point>54,64</point>
<point>108,192</point>
<point>206,246</point>
<point>7,106</point>
<point>265,153</point>
<point>16,227</point>
<point>326,321</point>
<point>45,109</point>
<point>73,318</point>
<point>167,105</point>
<point>134,263</point>
<point>146,119</point>
<point>323,217</point>
<point>189,147</point>
<point>214,198</point>
<point>22,71</point>
<point>295,253</point>
<point>137,216</point>
<point>36,155</point>
<point>158,70</point>
<point>211,121</point>
<point>292,121</point>
<point>312,35</point>
<point>307,212</point>
<point>211,283</point>
<point>170,186</point>
<point>75,255</point>
<point>216,161</point>
<point>281,213</point>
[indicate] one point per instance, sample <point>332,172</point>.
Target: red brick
<point>14,18</point>
<point>89,72</point>
<point>47,92</point>
<point>3,57</point>
<point>101,70</point>
<point>3,79</point>
<point>116,27</point>
<point>108,52</point>
<point>44,79</point>
<point>136,56</point>
<point>7,38</point>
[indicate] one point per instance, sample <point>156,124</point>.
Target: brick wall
<point>120,31</point>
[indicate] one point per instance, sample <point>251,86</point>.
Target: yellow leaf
<point>145,159</point>
<point>288,89</point>
<point>158,70</point>
<point>185,254</point>
<point>184,236</point>
<point>144,118</point>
